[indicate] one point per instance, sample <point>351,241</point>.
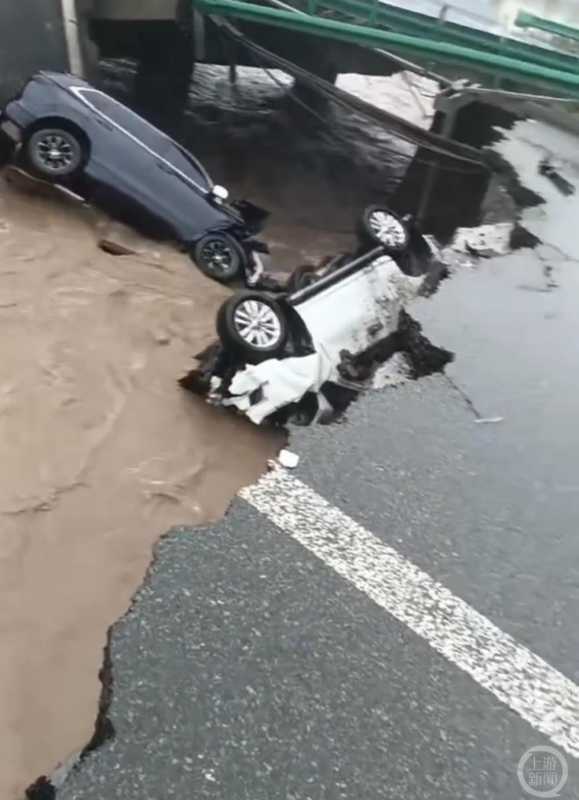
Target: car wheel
<point>253,325</point>
<point>381,226</point>
<point>219,256</point>
<point>54,153</point>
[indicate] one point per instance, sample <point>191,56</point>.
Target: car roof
<point>63,79</point>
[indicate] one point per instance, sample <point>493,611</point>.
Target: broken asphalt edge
<point>46,787</point>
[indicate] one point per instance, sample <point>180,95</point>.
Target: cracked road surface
<point>251,667</point>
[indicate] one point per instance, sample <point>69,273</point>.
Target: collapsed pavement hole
<point>420,358</point>
<point>423,357</point>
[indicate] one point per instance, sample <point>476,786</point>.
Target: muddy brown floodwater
<point>100,453</point>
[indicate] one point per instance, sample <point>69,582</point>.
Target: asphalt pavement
<point>250,666</point>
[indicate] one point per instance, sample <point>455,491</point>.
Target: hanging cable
<point>419,138</point>
<point>344,141</point>
<point>256,54</point>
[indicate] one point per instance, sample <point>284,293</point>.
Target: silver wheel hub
<point>257,324</point>
<point>218,255</point>
<point>389,230</point>
<point>55,151</point>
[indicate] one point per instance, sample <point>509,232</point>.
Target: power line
<point>354,104</point>
<point>347,144</point>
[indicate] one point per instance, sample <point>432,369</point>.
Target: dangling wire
<point>259,55</point>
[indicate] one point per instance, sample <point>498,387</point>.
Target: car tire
<point>381,226</point>
<point>268,336</point>
<point>219,256</point>
<point>64,160</point>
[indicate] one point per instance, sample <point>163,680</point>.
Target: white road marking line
<point>517,677</point>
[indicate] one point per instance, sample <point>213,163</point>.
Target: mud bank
<point>101,453</point>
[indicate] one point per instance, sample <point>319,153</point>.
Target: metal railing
<point>377,13</point>
<point>410,34</point>
<point>525,20</point>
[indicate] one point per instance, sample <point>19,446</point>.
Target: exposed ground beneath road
<point>101,452</point>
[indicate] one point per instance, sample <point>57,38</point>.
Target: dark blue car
<point>68,132</point>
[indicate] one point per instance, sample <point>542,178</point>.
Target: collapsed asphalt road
<point>263,657</point>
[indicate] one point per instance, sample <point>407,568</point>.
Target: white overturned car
<point>283,355</point>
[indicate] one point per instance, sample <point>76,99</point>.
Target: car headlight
<point>220,193</point>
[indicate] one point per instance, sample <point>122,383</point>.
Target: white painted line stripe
<point>517,677</point>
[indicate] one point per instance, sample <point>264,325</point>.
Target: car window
<point>123,117</point>
<point>185,163</point>
<point>152,138</point>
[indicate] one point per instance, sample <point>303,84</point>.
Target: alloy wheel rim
<point>55,152</point>
<point>389,230</point>
<point>257,324</point>
<point>218,255</point>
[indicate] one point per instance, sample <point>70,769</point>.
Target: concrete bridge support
<point>451,193</point>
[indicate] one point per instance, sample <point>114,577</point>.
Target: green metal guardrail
<point>379,14</point>
<point>525,20</point>
<point>438,50</point>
